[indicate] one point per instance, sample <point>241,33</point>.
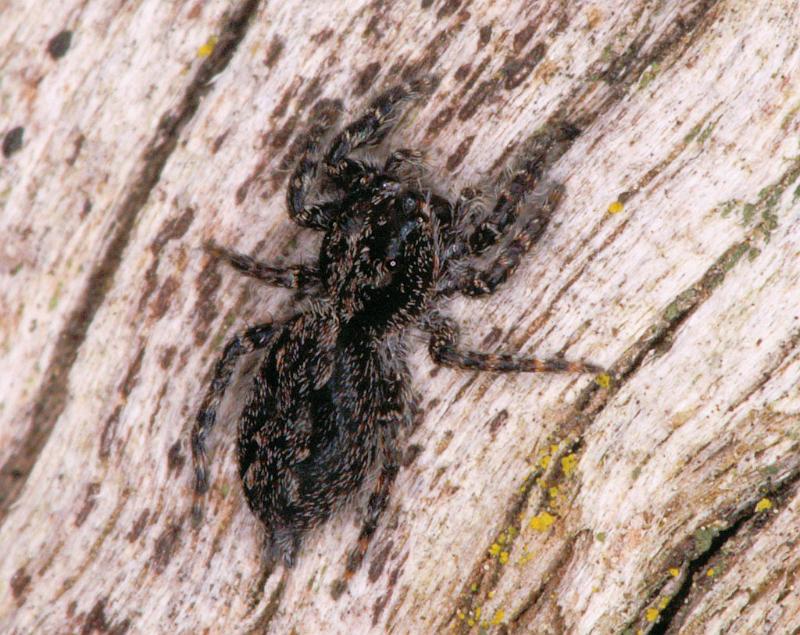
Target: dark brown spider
<point>332,391</point>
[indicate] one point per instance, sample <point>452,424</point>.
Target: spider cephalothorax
<point>332,391</point>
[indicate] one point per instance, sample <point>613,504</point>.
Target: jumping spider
<point>332,391</point>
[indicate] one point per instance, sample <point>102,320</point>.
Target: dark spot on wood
<point>173,229</point>
<point>378,562</point>
<point>150,283</point>
<point>109,432</point>
<point>378,607</point>
<point>196,11</point>
<point>97,622</point>
<point>441,119</point>
<point>485,34</point>
<point>411,454</point>
<point>434,371</point>
<point>372,30</point>
<point>310,94</point>
<point>175,458</point>
<point>278,140</point>
<point>496,422</point>
<point>462,71</point>
<point>164,547</point>
<point>138,526</point>
<point>322,36</point>
<point>58,45</point>
<point>207,284</point>
<point>516,69</point>
<point>492,337</point>
<point>395,574</point>
<point>521,38</point>
<point>433,403</point>
<point>217,144</point>
<point>20,582</point>
<point>241,191</point>
<point>431,54</point>
<point>274,51</point>
<point>76,149</point>
<point>89,502</point>
<point>282,107</point>
<point>87,207</point>
<point>162,301</point>
<point>444,442</point>
<point>455,159</point>
<point>12,141</point>
<point>71,609</point>
<point>338,587</point>
<point>366,78</point>
<point>132,376</point>
<point>166,357</point>
<point>449,7</point>
<point>425,4</point>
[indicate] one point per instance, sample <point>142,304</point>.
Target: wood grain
<point>664,500</point>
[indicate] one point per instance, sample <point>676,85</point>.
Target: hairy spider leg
<point>315,216</point>
<point>292,277</point>
<point>369,129</point>
<point>482,280</point>
<point>378,500</point>
<point>444,349</point>
<point>252,339</point>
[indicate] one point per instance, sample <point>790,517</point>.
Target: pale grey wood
<point>614,495</point>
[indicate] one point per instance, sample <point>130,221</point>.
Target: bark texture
<point>664,499</point>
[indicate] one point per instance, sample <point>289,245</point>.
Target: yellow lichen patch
<point>525,558</point>
<point>553,449</point>
<point>710,572</point>
<point>553,492</point>
<point>499,615</point>
<point>544,461</point>
<point>494,550</point>
<point>674,572</point>
<point>603,380</point>
<point>542,521</point>
<point>651,614</point>
<point>616,207</point>
<point>460,615</point>
<point>503,557</point>
<point>763,505</point>
<point>208,48</point>
<point>664,603</point>
<point>568,464</point>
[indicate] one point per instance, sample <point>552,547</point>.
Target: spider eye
<point>409,204</point>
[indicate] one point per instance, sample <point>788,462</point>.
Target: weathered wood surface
<point>665,502</point>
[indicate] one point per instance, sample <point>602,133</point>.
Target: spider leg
<point>248,341</point>
<point>293,277</point>
<point>378,501</point>
<point>371,127</point>
<point>477,281</point>
<point>403,162</point>
<point>316,216</point>
<point>444,350</point>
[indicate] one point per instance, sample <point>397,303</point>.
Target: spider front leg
<point>293,277</point>
<point>370,128</point>
<point>444,349</point>
<point>315,216</point>
<point>252,339</point>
